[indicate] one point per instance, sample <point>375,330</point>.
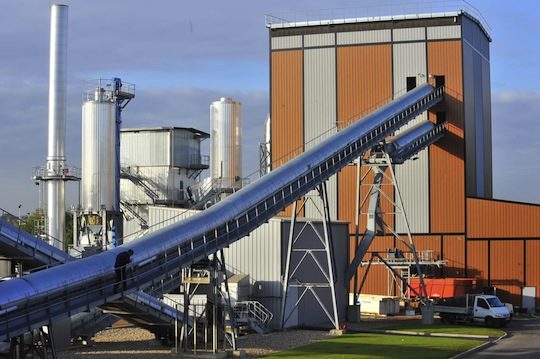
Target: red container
<point>444,287</point>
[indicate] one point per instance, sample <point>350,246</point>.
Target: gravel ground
<point>140,344</point>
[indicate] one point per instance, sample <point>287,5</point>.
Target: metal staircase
<point>254,315</point>
<point>140,182</point>
<point>133,213</point>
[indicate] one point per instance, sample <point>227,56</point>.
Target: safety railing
<point>396,11</point>
<point>253,309</point>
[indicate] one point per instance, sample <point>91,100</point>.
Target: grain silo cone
<point>226,144</point>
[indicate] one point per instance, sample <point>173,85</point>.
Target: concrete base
<point>203,354</point>
<point>336,332</point>
<point>353,313</point>
<point>427,314</point>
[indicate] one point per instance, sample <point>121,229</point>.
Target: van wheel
<point>489,321</point>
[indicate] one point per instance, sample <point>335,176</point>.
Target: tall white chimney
<point>57,118</point>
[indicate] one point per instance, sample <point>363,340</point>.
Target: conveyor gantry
<point>32,301</point>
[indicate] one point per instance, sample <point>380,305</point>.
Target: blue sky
<point>184,54</point>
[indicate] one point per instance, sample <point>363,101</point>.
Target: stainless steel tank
<point>226,143</point>
<point>98,188</point>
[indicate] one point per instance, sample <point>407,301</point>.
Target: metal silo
<point>98,150</point>
<point>226,143</point>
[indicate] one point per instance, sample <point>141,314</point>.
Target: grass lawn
<point>380,346</point>
<point>445,328</point>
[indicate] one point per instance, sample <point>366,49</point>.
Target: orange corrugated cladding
<point>477,259</point>
<point>287,108</point>
<point>423,243</point>
<point>364,80</point>
<point>499,219</point>
<point>532,275</point>
<point>377,280</point>
<point>364,83</point>
<point>506,266</point>
<point>454,254</point>
<point>446,157</point>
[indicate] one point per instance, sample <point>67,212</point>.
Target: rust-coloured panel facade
<point>377,279</point>
<point>501,219</point>
<point>446,157</point>
<point>454,254</point>
<point>506,269</point>
<point>477,259</point>
<point>286,108</point>
<point>364,83</point>
<point>495,241</point>
<point>532,269</point>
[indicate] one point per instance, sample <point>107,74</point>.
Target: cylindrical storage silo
<point>98,152</point>
<point>226,143</point>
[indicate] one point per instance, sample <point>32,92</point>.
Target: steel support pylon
<point>379,162</point>
<point>327,271</point>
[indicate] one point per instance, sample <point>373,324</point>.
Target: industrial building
<point>408,95</point>
<point>326,73</point>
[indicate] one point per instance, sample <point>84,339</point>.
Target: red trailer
<point>444,287</point>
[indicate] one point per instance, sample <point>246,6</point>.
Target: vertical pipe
<point>57,115</point>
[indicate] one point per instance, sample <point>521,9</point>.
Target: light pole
<point>19,217</point>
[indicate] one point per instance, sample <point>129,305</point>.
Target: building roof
<point>275,22</point>
<point>196,132</point>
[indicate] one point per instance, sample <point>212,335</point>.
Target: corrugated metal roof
<point>167,129</point>
<point>279,22</point>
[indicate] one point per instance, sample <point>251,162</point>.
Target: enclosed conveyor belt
<point>135,307</point>
<point>25,248</point>
<point>31,301</point>
<point>413,140</point>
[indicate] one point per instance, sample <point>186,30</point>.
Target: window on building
<point>439,81</point>
<point>411,83</point>
<point>440,117</point>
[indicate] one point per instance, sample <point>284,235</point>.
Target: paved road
<point>523,341</point>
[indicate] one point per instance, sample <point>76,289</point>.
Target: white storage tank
<point>98,150</point>
<point>226,143</point>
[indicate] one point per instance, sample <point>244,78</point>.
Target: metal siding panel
<point>444,32</point>
<point>506,268</point>
<point>488,156</point>
<point>470,125</point>
<point>286,42</point>
<point>145,148</point>
<point>479,125</point>
<point>363,37</point>
<point>477,260</point>
<point>409,34</point>
<point>446,157</point>
<point>287,133</point>
<point>377,281</point>
<point>454,254</point>
<point>424,243</point>
<point>412,176</point>
<point>533,269</point>
<point>319,40</point>
<point>364,84</point>
<point>498,219</point>
<point>320,112</point>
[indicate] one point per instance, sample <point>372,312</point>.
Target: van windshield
<point>495,302</point>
